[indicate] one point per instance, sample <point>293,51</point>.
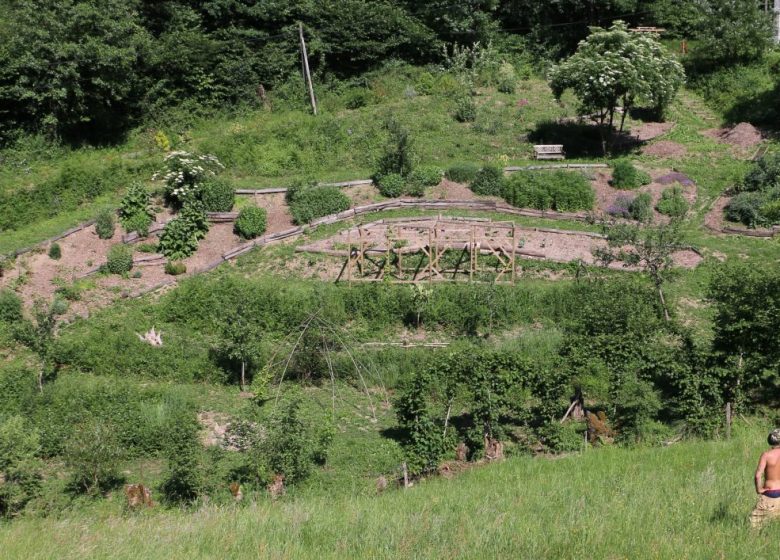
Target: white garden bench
<point>549,151</point>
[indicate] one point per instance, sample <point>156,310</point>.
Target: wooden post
<point>430,257</point>
<point>728,420</point>
<point>471,256</point>
<point>406,475</point>
<point>307,73</point>
<point>349,256</point>
<point>361,255</point>
<point>514,247</point>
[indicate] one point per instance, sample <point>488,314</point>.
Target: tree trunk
<point>40,380</point>
<point>623,116</point>
<point>728,420</point>
<point>663,303</point>
<point>243,374</point>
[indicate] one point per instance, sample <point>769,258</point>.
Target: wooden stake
<point>406,475</point>
<point>728,420</point>
<point>349,256</point>
<point>307,73</point>
<point>514,247</point>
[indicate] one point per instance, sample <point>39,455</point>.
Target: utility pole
<point>306,73</point>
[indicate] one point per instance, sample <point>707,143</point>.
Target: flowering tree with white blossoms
<point>185,173</point>
<point>618,68</point>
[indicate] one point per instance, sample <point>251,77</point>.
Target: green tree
<point>92,452</point>
<point>39,335</point>
<point>239,336</point>
<point>615,68</point>
<point>20,468</point>
<point>732,31</point>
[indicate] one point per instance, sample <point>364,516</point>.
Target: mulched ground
<point>742,136</point>
<point>665,149</point>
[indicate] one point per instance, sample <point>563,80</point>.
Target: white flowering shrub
<point>185,174</point>
<point>617,68</point>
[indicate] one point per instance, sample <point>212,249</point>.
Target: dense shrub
<point>507,78</point>
<point>185,175</point>
<point>105,223</point>
<point>465,110</point>
<point>562,191</point>
<point>399,155</point>
<point>764,175</point>
<point>183,481</point>
<point>462,172</point>
<point>426,175</point>
<point>92,452</point>
<point>136,202</point>
<point>391,185</point>
<point>770,211</point>
<point>316,202</point>
<point>746,208</point>
<point>626,176</point>
<point>673,203</point>
<point>20,469</point>
<point>641,207</point>
<point>621,207</point>
<point>219,195</point>
<point>489,181</point>
<point>10,306</point>
<point>251,222</point>
<point>55,251</point>
<point>178,240</point>
<point>139,223</point>
<point>120,259</point>
<point>175,268</point>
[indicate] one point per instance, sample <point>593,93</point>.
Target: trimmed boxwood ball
<point>489,181</point>
<point>218,195</point>
<point>391,185</point>
<point>315,202</point>
<point>251,222</point>
<point>120,259</point>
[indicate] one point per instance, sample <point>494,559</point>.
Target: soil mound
<point>665,149</point>
<point>743,135</point>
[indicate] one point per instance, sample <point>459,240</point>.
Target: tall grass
<point>690,500</point>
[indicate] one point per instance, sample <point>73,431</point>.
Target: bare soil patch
<point>743,135</point>
<point>649,130</point>
<point>665,149</point>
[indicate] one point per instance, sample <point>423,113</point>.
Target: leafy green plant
<point>20,469</point>
<point>315,202</point>
<point>770,211</point>
<point>92,453</point>
<point>105,223</point>
<point>178,240</point>
<point>119,259</point>
<point>218,194</point>
<point>55,251</point>
<point>641,208</point>
<point>462,172</point>
<point>465,110</point>
<point>251,222</point>
<point>194,213</point>
<point>135,212</point>
<point>139,223</point>
<point>489,181</point>
<point>426,175</point>
<point>562,191</point>
<point>391,185</point>
<point>399,154</point>
<point>175,268</point>
<point>184,175</point>
<point>184,481</point>
<point>507,78</point>
<point>10,306</point>
<point>626,176</point>
<point>673,203</point>
<point>763,175</point>
<point>146,247</point>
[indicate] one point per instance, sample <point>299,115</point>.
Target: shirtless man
<point>768,482</point>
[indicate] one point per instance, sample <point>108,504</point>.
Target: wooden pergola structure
<point>447,250</point>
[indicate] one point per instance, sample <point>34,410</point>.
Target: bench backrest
<point>549,149</point>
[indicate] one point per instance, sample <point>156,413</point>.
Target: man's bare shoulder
<point>772,454</point>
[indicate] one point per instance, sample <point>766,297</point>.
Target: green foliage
<point>507,78</point>
<point>184,480</point>
<point>185,176</point>
<point>92,453</point>
<point>10,306</point>
<point>251,222</point>
<point>105,223</point>
<point>292,446</point>
<point>39,336</point>
<point>399,154</point>
<point>754,208</point>
<point>673,203</point>
<point>175,268</point>
<point>55,251</point>
<point>239,337</point>
<point>562,438</point>
<point>426,175</point>
<point>731,31</point>
<point>465,109</point>
<point>180,237</point>
<point>562,191</point>
<point>391,185</point>
<point>616,66</point>
<point>626,176</point>
<point>641,208</point>
<point>139,223</point>
<point>135,212</point>
<point>315,202</point>
<point>462,172</point>
<point>219,194</point>
<point>119,259</point>
<point>763,175</point>
<point>489,181</point>
<point>20,468</point>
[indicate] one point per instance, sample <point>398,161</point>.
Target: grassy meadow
<point>686,501</point>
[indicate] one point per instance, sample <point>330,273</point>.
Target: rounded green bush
<point>55,251</point>
<point>120,259</point>
<point>105,224</point>
<point>426,175</point>
<point>641,208</point>
<point>175,268</point>
<point>745,208</point>
<point>179,239</point>
<point>391,185</point>
<point>489,181</point>
<point>10,306</point>
<point>316,202</point>
<point>626,176</point>
<point>138,223</point>
<point>673,203</point>
<point>218,195</point>
<point>462,172</point>
<point>251,222</point>
<point>415,189</point>
<point>764,174</point>
<point>465,110</point>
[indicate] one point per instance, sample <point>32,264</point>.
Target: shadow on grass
<point>578,139</point>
